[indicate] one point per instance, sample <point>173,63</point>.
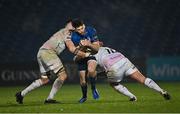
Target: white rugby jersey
<point>106,57</point>
<point>57,41</point>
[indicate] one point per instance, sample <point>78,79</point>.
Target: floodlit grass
<point>110,101</point>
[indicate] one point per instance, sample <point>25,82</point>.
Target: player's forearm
<point>82,54</point>
<point>94,47</point>
<point>75,50</point>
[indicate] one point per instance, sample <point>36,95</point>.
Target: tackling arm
<point>71,47</point>
<point>94,46</point>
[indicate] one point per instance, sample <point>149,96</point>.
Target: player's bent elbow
<point>72,49</point>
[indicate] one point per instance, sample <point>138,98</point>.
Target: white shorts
<point>120,69</point>
<point>48,60</point>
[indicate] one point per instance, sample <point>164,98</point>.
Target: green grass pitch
<point>110,101</point>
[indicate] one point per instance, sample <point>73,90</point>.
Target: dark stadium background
<point>140,29</point>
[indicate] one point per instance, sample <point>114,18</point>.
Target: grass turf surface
<point>110,101</point>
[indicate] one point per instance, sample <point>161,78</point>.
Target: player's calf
<point>123,90</point>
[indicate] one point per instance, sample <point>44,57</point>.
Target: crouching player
<point>117,66</point>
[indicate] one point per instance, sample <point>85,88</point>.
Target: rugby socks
<point>151,84</point>
<point>34,85</point>
<point>84,90</point>
<point>93,82</point>
<point>56,85</point>
<point>121,89</point>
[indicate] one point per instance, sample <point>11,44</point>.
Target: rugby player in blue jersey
<point>86,66</point>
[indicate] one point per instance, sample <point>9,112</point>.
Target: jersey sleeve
<point>94,35</point>
<point>74,38</point>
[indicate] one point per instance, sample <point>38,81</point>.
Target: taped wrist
<point>76,51</point>
<point>87,54</point>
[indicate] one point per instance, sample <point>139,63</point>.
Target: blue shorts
<point>82,64</point>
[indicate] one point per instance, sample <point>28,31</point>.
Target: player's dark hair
<point>77,22</point>
<point>68,20</point>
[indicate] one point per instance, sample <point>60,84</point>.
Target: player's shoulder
<point>75,37</point>
<point>74,34</point>
<point>90,29</point>
<point>60,31</point>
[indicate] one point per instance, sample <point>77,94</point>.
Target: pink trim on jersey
<point>111,59</point>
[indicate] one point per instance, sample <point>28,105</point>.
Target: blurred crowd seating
<point>139,29</point>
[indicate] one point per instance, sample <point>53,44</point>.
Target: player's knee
<point>117,86</point>
<point>92,71</point>
<point>83,83</point>
<point>142,80</point>
<point>114,84</point>
<point>44,80</point>
<point>92,68</point>
<point>62,75</point>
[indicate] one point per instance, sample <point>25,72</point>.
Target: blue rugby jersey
<point>90,34</point>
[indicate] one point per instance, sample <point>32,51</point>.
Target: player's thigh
<point>92,64</point>
<point>133,72</point>
<point>116,72</point>
<point>138,76</point>
<point>129,67</point>
<point>41,67</point>
<point>115,76</point>
<point>49,61</point>
<point>82,65</point>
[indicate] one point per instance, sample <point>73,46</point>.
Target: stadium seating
<point>139,29</point>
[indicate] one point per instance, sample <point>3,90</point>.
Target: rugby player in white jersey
<point>117,66</point>
<point>50,64</point>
